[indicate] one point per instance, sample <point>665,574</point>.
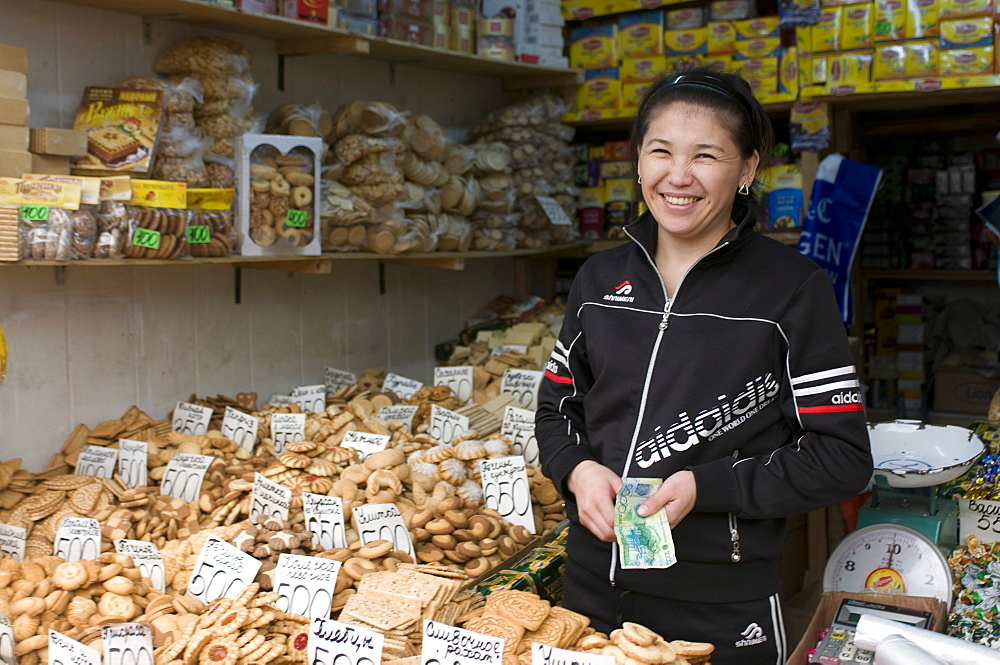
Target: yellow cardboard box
<point>826,33</point>
<point>890,20</point>
<point>594,46</point>
<point>857,26</point>
<point>644,69</point>
<point>788,71</point>
<point>852,68</point>
<point>921,58</point>
<point>685,42</point>
<point>640,34</point>
<point>601,89</point>
<point>921,19</point>
<point>889,62</point>
<point>966,61</point>
<point>960,8</point>
<point>965,33</point>
<point>749,49</point>
<point>721,37</point>
<point>632,93</point>
<point>758,28</point>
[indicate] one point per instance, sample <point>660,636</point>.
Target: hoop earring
<point>639,180</point>
<point>744,189</point>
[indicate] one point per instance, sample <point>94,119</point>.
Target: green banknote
<point>643,542</point>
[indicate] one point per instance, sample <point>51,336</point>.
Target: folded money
<point>643,542</point>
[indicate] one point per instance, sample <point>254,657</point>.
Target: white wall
<point>85,348</point>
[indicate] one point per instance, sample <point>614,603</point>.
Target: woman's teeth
<point>677,200</point>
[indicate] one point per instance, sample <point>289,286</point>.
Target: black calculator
<point>837,648</point>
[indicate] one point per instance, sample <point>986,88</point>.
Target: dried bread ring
<point>683,648</point>
<point>638,634</point>
<point>591,642</point>
<point>301,196</point>
<point>658,653</point>
<point>375,549</point>
<point>280,187</point>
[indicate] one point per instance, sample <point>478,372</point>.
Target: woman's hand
<point>595,487</point>
<point>677,495</point>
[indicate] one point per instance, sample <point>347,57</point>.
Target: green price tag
<point>296,218</point>
<point>199,235</point>
<point>146,238</point>
<point>883,27</point>
<point>34,213</point>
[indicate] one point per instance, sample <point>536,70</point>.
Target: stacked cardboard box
<point>14,156</point>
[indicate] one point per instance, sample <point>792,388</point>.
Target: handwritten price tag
<point>979,518</point>
<point>133,459</point>
<point>306,584</point>
<point>199,234</point>
<point>287,428</point>
<point>506,489</point>
<point>241,428</point>
<point>147,238</point>
<point>519,426</point>
<point>269,499</point>
<point>402,386</point>
<point>554,211</point>
<point>33,213</point>
<point>310,398</point>
<point>191,418</point>
<point>365,443</point>
<point>127,644</point>
<point>7,656</point>
<point>184,475</point>
<point>543,654</point>
<point>297,219</point>
<point>382,521</point>
<point>459,379</point>
<point>448,645</point>
<point>222,571</point>
<point>335,379</point>
<point>325,519</point>
<point>446,425</point>
<point>97,461</point>
<point>78,538</point>
<point>508,348</point>
<point>146,556</point>
<point>402,413</point>
<point>67,651</point>
<point>12,541</point>
<point>335,643</point>
<point>523,385</point>
<point>280,400</point>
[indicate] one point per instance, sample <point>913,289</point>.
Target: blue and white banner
<point>838,209</point>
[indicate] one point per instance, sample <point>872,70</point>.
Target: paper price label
<point>280,400</point>
<point>222,571</point>
<point>366,443</point>
<point>7,656</point>
<point>325,519</point>
<point>400,385</point>
<point>147,238</point>
<point>554,211</point>
<point>12,540</point>
<point>97,461</point>
<point>402,413</point>
<point>335,379</point>
<point>287,428</point>
<point>241,428</point>
<point>146,556</point>
<point>133,459</point>
<point>446,425</point>
<point>306,585</point>
<point>127,644</point>
<point>448,645</point>
<point>459,379</point>
<point>78,538</point>
<point>297,218</point>
<point>310,398</point>
<point>33,213</point>
<point>199,234</point>
<point>191,418</point>
<point>519,426</point>
<point>335,643</point>
<point>269,499</point>
<point>382,521</point>
<point>508,348</point>
<point>67,651</point>
<point>506,489</point>
<point>184,475</point>
<point>979,518</point>
<point>523,385</point>
<point>543,654</point>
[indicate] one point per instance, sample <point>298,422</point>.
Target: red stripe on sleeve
<point>558,379</point>
<point>835,408</point>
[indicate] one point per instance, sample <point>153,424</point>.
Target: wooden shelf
<point>931,275</point>
<point>298,38</point>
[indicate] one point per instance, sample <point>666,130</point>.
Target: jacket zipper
<point>734,530</point>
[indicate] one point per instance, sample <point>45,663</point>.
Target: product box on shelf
<point>686,18</point>
<point>591,212</point>
<point>783,185</point>
<point>730,10</point>
<point>826,33</point>
<point>406,29</point>
<point>46,236</point>
<point>640,34</point>
<point>788,71</point>
<point>921,19</point>
<point>685,42</point>
<point>848,68</point>
<point>358,25</point>
<point>921,58</point>
<point>758,28</point>
<point>14,111</point>
<point>277,190</point>
<point>495,38</point>
<point>632,93</point>
<point>749,49</point>
<point>14,162</point>
<point>721,37</point>
<point>966,33</point>
<point>857,26</point>
<point>54,141</point>
<point>960,8</point>
<point>366,8</point>
<point>601,89</point>
<point>13,59</point>
<point>762,75</point>
<point>890,20</point>
<point>13,84</point>
<point>593,47</point>
<point>962,391</point>
<point>50,164</point>
<point>966,61</point>
<point>889,62</point>
<point>310,11</point>
<point>422,10</point>
<point>644,69</point>
<point>258,6</point>
<point>719,62</point>
<point>683,63</point>
<point>122,128</point>
<point>13,137</point>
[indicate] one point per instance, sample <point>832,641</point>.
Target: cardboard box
<point>310,11</point>
<point>13,59</point>
<point>13,137</point>
<point>13,84</point>
<point>829,602</point>
<point>14,111</point>
<point>14,162</point>
<point>62,142</point>
<point>51,164</point>
<point>957,391</point>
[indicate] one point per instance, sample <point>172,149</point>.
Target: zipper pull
<point>664,322</point>
<point>734,535</point>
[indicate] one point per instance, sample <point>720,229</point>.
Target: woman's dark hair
<point>728,95</point>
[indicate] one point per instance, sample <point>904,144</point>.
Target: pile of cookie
<point>635,643</point>
<point>280,183</point>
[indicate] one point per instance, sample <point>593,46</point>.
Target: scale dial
<point>888,557</point>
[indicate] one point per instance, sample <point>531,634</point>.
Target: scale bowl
<point>909,453</point>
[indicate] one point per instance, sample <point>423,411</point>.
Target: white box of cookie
<point>277,186</point>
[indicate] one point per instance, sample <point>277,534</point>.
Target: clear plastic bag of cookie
<point>179,95</point>
<point>112,225</point>
<point>84,232</point>
<point>58,235</point>
<point>189,169</point>
<point>371,118</point>
<point>299,120</point>
<point>172,121</point>
<point>157,220</point>
<point>221,171</point>
<point>210,229</point>
<point>209,55</point>
<point>181,142</point>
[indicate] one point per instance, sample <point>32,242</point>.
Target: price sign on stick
<point>979,518</point>
<point>78,538</point>
<point>280,400</point>
<point>269,499</point>
<point>67,651</point>
<point>184,475</point>
<point>306,585</point>
<point>221,571</point>
<point>241,428</point>
<point>519,426</point>
<point>555,212</point>
<point>335,379</point>
<point>133,459</point>
<point>7,656</point>
<point>310,398</point>
<point>448,645</point>
<point>335,643</point>
<point>191,418</point>
<point>446,425</point>
<point>507,348</point>
<point>400,385</point>
<point>543,654</point>
<point>146,556</point>
<point>382,521</point>
<point>12,539</point>
<point>402,413</point>
<point>459,379</point>
<point>365,443</point>
<point>127,644</point>
<point>97,461</point>
<point>506,490</point>
<point>325,519</point>
<point>287,428</point>
<point>522,384</point>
